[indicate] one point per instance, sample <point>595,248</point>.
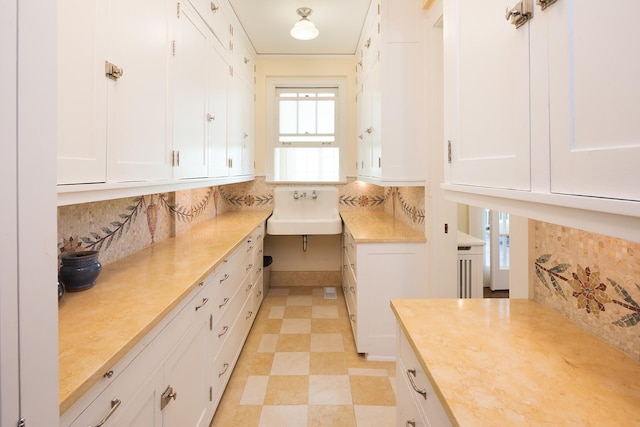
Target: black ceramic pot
<point>79,270</point>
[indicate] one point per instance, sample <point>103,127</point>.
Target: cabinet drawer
<point>422,392</point>
<point>211,12</point>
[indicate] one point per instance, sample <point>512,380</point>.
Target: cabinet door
<point>594,98</point>
<point>217,109</point>
<point>248,124</point>
<point>365,99</point>
<point>375,130</point>
<point>187,374</point>
<point>487,115</point>
<point>235,134</point>
<point>82,92</point>
<point>139,146</point>
<point>143,409</point>
<point>189,83</point>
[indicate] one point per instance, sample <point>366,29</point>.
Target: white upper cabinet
<point>390,74</point>
<point>594,98</point>
<point>152,94</point>
<point>138,43</point>
<point>547,109</point>
<point>189,88</point>
<point>82,93</point>
<point>488,95</point>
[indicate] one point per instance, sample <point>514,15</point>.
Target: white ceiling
<point>268,22</point>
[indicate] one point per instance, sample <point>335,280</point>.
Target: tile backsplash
<point>592,279</point>
<point>120,227</point>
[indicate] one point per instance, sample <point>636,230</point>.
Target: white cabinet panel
<point>488,115</point>
<point>217,108</point>
<point>189,89</point>
<point>82,92</point>
<point>139,146</point>
<point>594,99</point>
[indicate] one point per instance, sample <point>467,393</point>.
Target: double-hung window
<point>306,133</point>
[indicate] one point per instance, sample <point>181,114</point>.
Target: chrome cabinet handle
<point>226,276</point>
<point>411,373</point>
<point>224,370</point>
<point>224,331</point>
<point>249,314</point>
<point>204,302</point>
<point>224,302</point>
<point>249,267</point>
<point>115,404</point>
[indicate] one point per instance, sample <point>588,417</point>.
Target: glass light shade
<point>304,30</point>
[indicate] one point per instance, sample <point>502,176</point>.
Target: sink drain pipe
<point>304,242</point>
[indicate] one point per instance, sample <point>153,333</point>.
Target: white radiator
<point>470,266</point>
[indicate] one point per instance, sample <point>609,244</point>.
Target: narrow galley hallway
<point>299,367</point>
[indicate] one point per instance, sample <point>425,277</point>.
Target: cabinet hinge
<point>175,158</point>
<point>173,48</point>
<point>178,9</point>
<point>210,394</point>
<point>22,423</point>
<point>449,151</point>
<point>230,163</point>
<point>211,322</point>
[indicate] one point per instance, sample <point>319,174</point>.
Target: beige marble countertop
<point>98,326</point>
<point>379,227</point>
<point>501,362</point>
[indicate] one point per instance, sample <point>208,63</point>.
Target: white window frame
<point>274,83</point>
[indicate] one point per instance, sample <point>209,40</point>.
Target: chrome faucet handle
<point>296,195</point>
<point>314,195</point>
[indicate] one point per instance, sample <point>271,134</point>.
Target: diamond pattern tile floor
<point>299,367</point>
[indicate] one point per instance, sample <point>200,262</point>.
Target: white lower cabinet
<point>418,404</point>
<point>175,376</point>
<point>373,274</point>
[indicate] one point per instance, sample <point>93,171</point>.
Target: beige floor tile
<point>268,343</point>
<point>324,312</point>
<point>273,292</point>
<point>283,416</point>
<point>328,364</point>
<point>287,390</point>
<point>372,391</point>
<point>297,312</point>
<point>255,390</point>
<point>324,326</point>
<point>294,342</point>
<point>301,290</point>
<point>304,300</point>
<point>271,326</point>
<point>295,326</point>
<point>329,390</point>
<point>254,364</point>
<point>327,342</point>
<point>331,416</point>
<point>276,312</point>
<point>375,416</point>
<point>368,372</point>
<point>290,363</point>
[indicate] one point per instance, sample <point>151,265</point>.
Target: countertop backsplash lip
<point>151,288</point>
<point>379,227</point>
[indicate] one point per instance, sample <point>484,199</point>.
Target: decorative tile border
<point>592,279</point>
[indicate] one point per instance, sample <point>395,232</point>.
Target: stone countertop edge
<point>518,362</point>
<point>379,227</point>
<point>97,327</point>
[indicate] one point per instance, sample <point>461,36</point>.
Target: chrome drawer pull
<point>410,423</point>
<point>249,314</point>
<point>249,267</point>
<point>226,276</point>
<point>204,302</point>
<point>224,331</point>
<point>224,302</point>
<point>115,404</point>
<point>411,373</point>
<point>224,370</point>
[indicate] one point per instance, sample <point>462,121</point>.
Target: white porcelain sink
<point>304,210</point>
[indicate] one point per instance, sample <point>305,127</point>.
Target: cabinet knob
<point>210,117</point>
<point>214,7</point>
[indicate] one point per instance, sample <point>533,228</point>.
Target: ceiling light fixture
<point>304,29</point>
